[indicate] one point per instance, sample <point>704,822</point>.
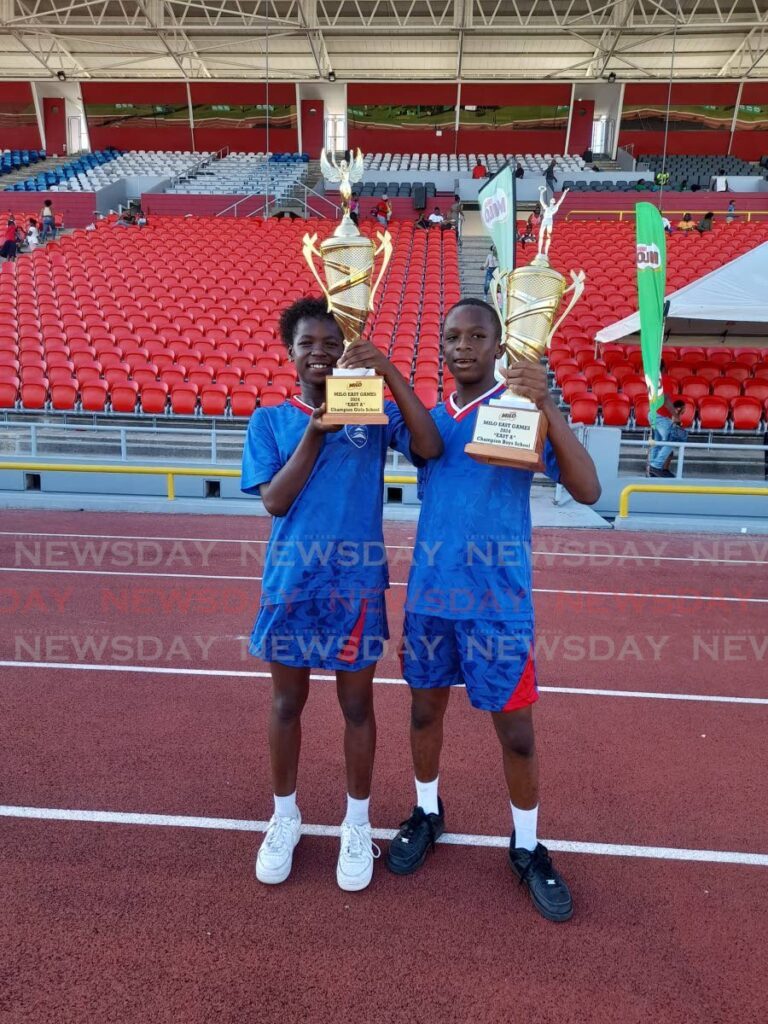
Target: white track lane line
<point>393,583</point>
<point>395,547</point>
<point>223,673</point>
<point>451,839</point>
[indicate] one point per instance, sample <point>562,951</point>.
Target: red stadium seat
<point>123,396</point>
<point>634,386</point>
<point>746,411</point>
<point>213,399</point>
<point>272,395</point>
<point>584,408</point>
<point>93,395</point>
<point>64,395</point>
<point>694,388</point>
<point>756,389</point>
<point>243,399</point>
<point>604,387</point>
<point>154,397</point>
<point>184,399</point>
<point>726,387</point>
<point>641,409</point>
<point>616,409</point>
<point>9,392</point>
<point>713,412</point>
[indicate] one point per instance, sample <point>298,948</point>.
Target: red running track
<point>114,922</point>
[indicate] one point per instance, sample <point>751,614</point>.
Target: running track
<point>125,690</point>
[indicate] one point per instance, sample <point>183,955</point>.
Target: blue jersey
<point>472,556</point>
<point>330,542</point>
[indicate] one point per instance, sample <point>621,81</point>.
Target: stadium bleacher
<point>244,174</point>
<point>699,169</point>
<point>118,320</point>
<point>60,176</point>
<point>463,163</point>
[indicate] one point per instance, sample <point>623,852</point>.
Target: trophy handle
<point>577,287</point>
<point>310,251</point>
<point>385,247</point>
<point>497,282</point>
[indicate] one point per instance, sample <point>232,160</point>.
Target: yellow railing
<point>170,472</point>
<point>740,214</point>
<point>682,489</point>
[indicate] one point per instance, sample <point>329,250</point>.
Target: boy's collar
<point>459,412</point>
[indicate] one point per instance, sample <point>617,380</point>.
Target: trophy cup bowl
<point>348,258</point>
<point>511,430</point>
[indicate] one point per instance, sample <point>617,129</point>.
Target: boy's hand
<point>317,426</point>
<point>529,380</point>
<point>363,355</point>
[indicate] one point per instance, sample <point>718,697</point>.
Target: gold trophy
<point>348,257</point>
<point>511,430</point>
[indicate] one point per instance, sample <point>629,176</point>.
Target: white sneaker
<point>275,856</point>
<point>356,856</point>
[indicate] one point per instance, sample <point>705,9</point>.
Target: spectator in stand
<point>141,218</point>
<point>705,224</point>
<point>730,217</point>
<point>687,223</point>
<point>479,171</point>
<point>354,209</point>
<point>684,185</point>
<point>549,177</point>
<point>666,225</point>
<point>668,428</point>
<point>720,181</point>
<point>490,265</point>
<point>11,240</point>
<point>455,217</point>
<point>532,225</point>
<point>519,172</point>
<point>640,185</point>
<point>383,210</point>
<point>587,156</point>
<point>423,222</point>
<point>695,187</point>
<point>436,218</point>
<point>47,221</point>
<point>33,235</point>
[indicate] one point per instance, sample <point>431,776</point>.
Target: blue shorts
<point>334,633</point>
<point>493,659</point>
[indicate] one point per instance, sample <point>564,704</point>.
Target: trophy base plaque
<point>509,432</point>
<point>354,396</point>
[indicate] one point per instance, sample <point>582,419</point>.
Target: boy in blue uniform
<point>469,614</point>
<point>325,573</point>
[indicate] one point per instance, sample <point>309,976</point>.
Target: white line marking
<point>224,673</point>
<point>393,583</point>
<point>397,547</point>
<point>451,839</point>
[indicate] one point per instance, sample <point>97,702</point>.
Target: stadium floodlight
<point>61,76</point>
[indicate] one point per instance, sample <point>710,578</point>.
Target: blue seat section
<point>43,181</point>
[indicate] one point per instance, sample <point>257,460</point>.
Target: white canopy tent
<point>732,300</point>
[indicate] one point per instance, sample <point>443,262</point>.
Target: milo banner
<point>651,284</point>
<point>499,213</point>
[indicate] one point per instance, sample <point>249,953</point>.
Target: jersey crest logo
<point>357,434</point>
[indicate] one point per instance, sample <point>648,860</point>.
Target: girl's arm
<point>577,470</point>
<point>425,437</point>
<point>282,490</point>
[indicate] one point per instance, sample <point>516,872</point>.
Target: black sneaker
<point>548,890</point>
<point>417,836</point>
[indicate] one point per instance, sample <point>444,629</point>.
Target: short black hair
<point>679,404</point>
<point>482,305</point>
<point>311,308</point>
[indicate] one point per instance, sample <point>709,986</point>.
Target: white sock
<point>525,827</point>
<point>426,796</point>
<point>285,806</point>
<point>357,811</point>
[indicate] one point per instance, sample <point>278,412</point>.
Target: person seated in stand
<point>668,428</point>
<point>11,240</point>
<point>666,225</point>
<point>436,218</point>
<point>532,225</point>
<point>695,187</point>
<point>33,235</point>
<point>354,209</point>
<point>423,221</point>
<point>687,223</point>
<point>720,181</point>
<point>731,214</point>
<point>684,185</point>
<point>479,171</point>
<point>640,185</point>
<point>519,171</point>
<point>705,224</point>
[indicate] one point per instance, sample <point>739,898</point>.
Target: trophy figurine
<point>511,430</point>
<point>348,257</point>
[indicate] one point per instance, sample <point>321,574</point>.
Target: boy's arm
<point>426,442</point>
<point>282,490</point>
<point>577,470</point>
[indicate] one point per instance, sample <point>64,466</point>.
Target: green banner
<point>499,214</point>
<point>651,283</point>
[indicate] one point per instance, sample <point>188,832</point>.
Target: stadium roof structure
<point>359,40</point>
